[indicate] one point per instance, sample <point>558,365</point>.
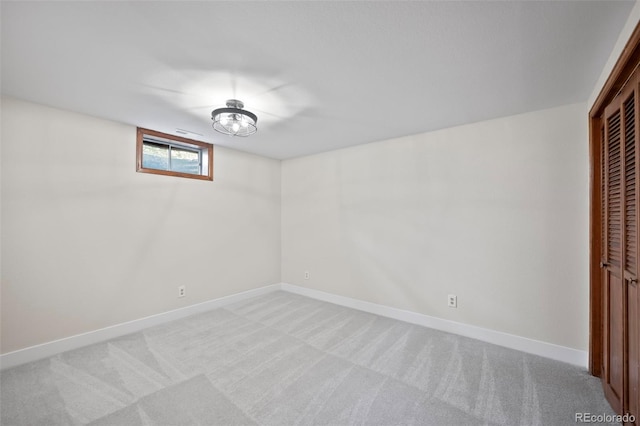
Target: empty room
<point>319,212</point>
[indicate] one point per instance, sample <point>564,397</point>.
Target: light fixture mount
<point>234,120</point>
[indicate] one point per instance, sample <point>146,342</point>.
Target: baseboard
<point>536,347</point>
<point>48,349</point>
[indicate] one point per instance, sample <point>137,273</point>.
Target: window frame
<point>176,142</point>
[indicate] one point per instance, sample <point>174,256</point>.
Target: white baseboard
<point>48,349</point>
<point>536,347</point>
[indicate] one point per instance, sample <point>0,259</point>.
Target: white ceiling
<point>320,75</point>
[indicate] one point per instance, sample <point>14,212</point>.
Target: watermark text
<point>604,418</point>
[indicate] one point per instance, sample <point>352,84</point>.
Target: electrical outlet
<point>452,301</point>
<point>306,275</point>
<point>182,291</point>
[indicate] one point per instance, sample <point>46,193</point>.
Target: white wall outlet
<point>452,301</point>
<point>306,275</point>
<point>182,291</point>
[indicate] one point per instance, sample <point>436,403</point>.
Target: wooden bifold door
<point>619,184</point>
<point>614,317</point>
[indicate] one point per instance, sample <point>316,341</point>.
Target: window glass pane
<point>185,161</point>
<point>155,156</point>
<point>164,154</point>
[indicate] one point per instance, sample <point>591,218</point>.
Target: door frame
<point>624,67</point>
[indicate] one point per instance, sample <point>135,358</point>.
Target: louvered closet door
<point>630,274</point>
<point>613,380</point>
<point>620,251</point>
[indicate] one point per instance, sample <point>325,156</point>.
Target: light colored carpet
<point>284,359</point>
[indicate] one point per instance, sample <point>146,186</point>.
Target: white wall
<point>87,242</point>
<point>494,212</point>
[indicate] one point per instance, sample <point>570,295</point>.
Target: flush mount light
<point>233,120</point>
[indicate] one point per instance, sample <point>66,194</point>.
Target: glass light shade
<point>233,120</point>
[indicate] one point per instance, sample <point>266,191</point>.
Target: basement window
<point>164,154</point>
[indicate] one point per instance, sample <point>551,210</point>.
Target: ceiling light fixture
<point>233,120</point>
